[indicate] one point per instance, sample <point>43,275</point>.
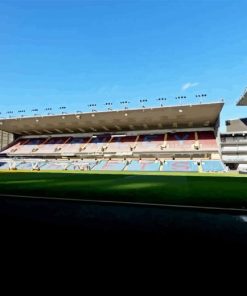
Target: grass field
<point>213,190</point>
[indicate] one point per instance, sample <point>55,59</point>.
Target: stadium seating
<point>81,165</point>
<point>4,166</point>
<point>180,141</point>
<point>149,142</point>
<point>121,144</point>
<point>170,142</point>
<point>207,141</point>
<point>21,146</point>
<point>74,145</point>
<point>144,165</point>
<point>97,144</point>
<point>180,166</point>
<point>53,165</point>
<point>213,166</point>
<point>48,165</point>
<point>24,165</point>
<point>111,165</point>
<point>51,145</point>
<point>169,145</point>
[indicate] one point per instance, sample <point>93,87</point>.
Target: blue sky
<point>72,53</point>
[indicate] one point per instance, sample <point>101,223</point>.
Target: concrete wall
<point>5,139</point>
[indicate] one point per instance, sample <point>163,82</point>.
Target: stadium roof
<point>236,125</point>
<point>243,100</point>
<point>186,116</point>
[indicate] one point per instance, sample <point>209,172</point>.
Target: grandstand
<point>175,138</point>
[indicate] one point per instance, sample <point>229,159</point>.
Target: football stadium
<point>171,155</point>
<point>124,117</point>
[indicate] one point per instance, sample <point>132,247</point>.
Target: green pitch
<point>197,189</point>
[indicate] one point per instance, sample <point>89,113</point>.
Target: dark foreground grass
<point>213,190</point>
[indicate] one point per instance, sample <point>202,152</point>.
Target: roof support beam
<point>81,130</point>
<point>37,132</point>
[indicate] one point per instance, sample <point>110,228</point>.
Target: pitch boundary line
<point>127,203</point>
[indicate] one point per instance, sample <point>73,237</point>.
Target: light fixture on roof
<point>200,96</point>
<point>125,104</point>
<point>63,108</point>
<point>143,101</point>
<point>161,100</point>
<point>180,98</point>
<point>109,104</point>
<point>92,105</point>
<point>21,111</point>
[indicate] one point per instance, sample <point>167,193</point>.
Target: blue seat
<point>213,166</point>
<point>110,165</point>
<point>52,166</point>
<point>4,166</point>
<point>146,165</point>
<point>24,166</point>
<point>81,165</point>
<point>180,166</point>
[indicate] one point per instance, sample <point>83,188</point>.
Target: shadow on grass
<point>185,189</point>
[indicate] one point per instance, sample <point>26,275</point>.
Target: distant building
<point>236,125</point>
<point>234,141</point>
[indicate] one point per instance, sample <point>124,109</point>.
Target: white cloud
<point>189,85</point>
